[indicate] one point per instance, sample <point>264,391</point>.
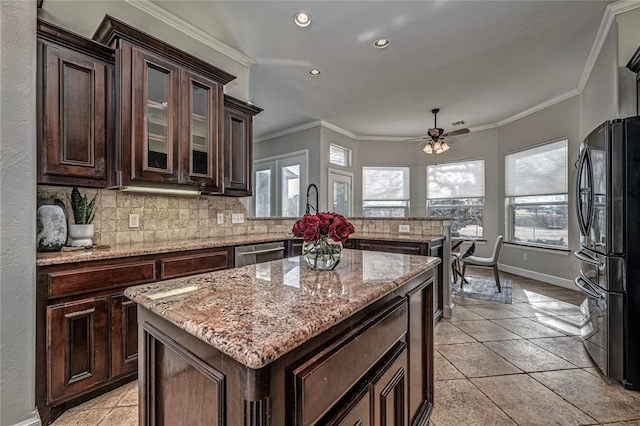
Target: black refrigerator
<point>608,209</point>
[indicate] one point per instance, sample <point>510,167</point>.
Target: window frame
<point>275,164</point>
<point>403,203</point>
<point>348,155</point>
<point>457,206</point>
<point>511,203</point>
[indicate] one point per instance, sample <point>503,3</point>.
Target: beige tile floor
<point>495,364</point>
<point>523,364</point>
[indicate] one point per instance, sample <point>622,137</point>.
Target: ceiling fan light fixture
<point>437,147</point>
<point>428,149</point>
<point>445,146</point>
<point>381,43</point>
<point>302,19</point>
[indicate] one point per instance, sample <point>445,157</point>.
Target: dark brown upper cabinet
<point>74,109</point>
<point>238,146</point>
<point>170,111</point>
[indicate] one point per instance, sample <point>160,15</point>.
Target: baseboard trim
<point>33,420</point>
<point>545,278</point>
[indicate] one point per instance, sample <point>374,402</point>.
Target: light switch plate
<point>237,218</point>
<point>404,228</point>
<point>220,218</point>
<point>134,221</point>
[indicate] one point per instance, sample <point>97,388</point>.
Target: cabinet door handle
<point>261,251</point>
<point>80,313</point>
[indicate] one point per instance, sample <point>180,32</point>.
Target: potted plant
<point>81,233</point>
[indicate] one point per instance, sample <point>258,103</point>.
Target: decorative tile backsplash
<point>168,217</point>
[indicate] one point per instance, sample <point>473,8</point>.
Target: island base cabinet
<point>124,336</point>
<point>371,369</point>
<point>77,358</point>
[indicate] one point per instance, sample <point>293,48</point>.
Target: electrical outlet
<point>134,221</point>
<point>237,218</point>
<point>524,256</point>
<point>404,228</point>
<point>220,218</point>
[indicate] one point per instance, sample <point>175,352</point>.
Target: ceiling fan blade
<point>450,141</point>
<point>457,132</point>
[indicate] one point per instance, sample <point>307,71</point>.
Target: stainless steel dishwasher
<point>258,253</point>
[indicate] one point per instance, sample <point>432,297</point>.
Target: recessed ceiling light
<point>302,19</point>
<point>314,72</point>
<point>381,43</point>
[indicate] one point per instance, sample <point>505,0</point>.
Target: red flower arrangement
<point>323,235</point>
<point>313,227</point>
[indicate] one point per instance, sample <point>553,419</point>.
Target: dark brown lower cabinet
<point>375,368</point>
<point>87,330</point>
<point>124,336</point>
<point>78,351</point>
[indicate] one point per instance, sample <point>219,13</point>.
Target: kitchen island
<point>280,344</point>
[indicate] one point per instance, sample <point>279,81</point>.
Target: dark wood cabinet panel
<point>124,336</point>
<point>75,117</point>
<point>78,350</point>
<point>318,386</point>
<point>174,369</point>
<point>389,391</point>
<point>238,146</point>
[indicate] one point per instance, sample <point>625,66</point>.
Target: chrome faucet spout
<point>309,206</point>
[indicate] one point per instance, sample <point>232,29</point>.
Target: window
<point>385,191</point>
<point>339,155</point>
<point>340,192</point>
<point>279,183</point>
<point>537,199</point>
<point>457,190</point>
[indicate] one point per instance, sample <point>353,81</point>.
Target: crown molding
<point>288,131</point>
<point>623,6</point>
<point>483,127</point>
<point>186,28</point>
<point>568,95</point>
<point>337,129</point>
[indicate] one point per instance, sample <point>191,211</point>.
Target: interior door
<point>341,192</point>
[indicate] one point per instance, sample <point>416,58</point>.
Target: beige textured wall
<point>173,218</point>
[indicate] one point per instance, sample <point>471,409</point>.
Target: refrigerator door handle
<point>589,288</point>
<point>587,258</point>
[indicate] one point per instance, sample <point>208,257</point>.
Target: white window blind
<point>385,183</point>
<point>456,180</point>
<point>537,171</point>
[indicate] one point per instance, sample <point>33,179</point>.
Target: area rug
<point>483,288</point>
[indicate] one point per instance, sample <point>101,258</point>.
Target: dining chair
<point>486,262</point>
<point>457,257</point>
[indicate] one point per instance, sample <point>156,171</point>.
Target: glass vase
<point>324,254</point>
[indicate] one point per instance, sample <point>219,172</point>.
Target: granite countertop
<point>138,249</point>
<point>257,313</point>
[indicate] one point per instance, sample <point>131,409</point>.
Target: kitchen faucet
<point>315,208</point>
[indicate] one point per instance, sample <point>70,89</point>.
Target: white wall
<point>599,99</point>
<point>558,121</point>
<point>17,212</point>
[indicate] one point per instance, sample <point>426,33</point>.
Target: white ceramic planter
<point>81,235</point>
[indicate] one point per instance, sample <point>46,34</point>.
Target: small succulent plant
<point>83,210</point>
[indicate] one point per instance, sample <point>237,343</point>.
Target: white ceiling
<point>479,61</point>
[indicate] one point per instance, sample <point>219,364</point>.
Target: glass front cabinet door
<point>201,132</point>
<point>155,131</point>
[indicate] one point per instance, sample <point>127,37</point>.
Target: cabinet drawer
<point>321,381</point>
<point>98,278</point>
<point>391,247</point>
<point>194,264</point>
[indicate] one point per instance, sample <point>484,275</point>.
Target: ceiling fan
<point>437,141</point>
